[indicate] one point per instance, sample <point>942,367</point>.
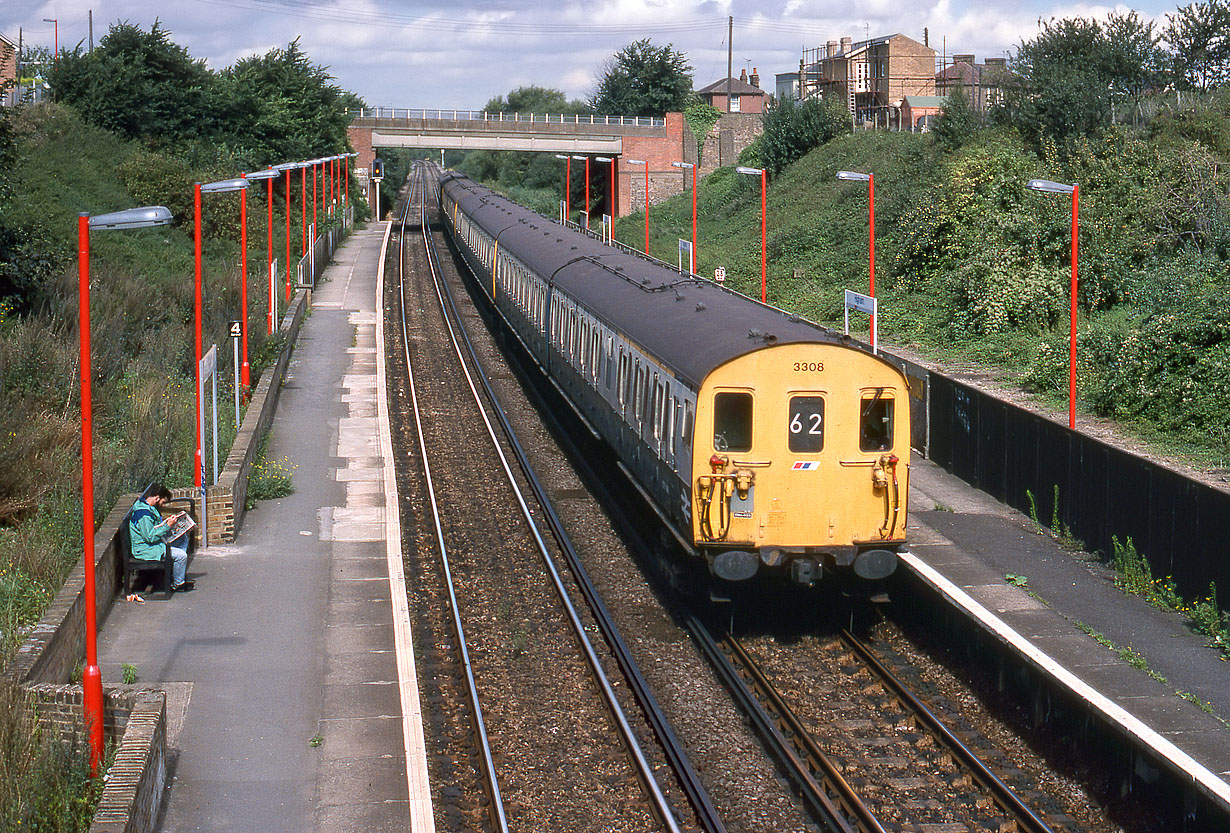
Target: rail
<point>515,118</point>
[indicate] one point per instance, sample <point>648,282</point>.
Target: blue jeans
<point>179,560</point>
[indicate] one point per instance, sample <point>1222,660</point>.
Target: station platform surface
<point>966,545</point>
<point>287,701</point>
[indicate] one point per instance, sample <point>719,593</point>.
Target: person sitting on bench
<point>147,527</point>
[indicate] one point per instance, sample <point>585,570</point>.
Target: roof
<point>737,87</point>
<point>690,325</point>
<point>5,38</point>
<point>925,100</point>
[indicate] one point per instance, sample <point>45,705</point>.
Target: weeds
<point>268,479</point>
<point>129,672</point>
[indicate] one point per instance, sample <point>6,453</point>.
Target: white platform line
<point>1205,780</point>
<point>422,819</point>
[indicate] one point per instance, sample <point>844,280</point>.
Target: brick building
<point>872,76</point>
<point>8,64</point>
<point>982,83</point>
<point>745,94</point>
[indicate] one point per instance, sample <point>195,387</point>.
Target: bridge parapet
<point>405,113</point>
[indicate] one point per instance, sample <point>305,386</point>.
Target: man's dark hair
<point>158,490</point>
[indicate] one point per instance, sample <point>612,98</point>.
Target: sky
<point>460,54</point>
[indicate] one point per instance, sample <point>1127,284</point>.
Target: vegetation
<point>644,80</point>
<point>84,153</point>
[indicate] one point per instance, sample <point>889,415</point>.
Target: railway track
<point>494,571</point>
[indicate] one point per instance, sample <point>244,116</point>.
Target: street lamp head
<point>574,156</point>
<point>682,165</point>
<point>268,173</point>
<point>223,185</point>
<point>1046,186</point>
<point>853,176</point>
<point>752,171</point>
<point>152,215</point>
<point>634,161</point>
<point>286,166</point>
<point>561,156</point>
<point>603,159</point>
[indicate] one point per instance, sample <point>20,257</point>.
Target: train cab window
<point>806,424</point>
<point>875,432</point>
<point>732,422</point>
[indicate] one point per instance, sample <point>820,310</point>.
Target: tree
<point>535,99</point>
<point>1199,35</point>
<point>137,84</point>
<point>793,128</point>
<point>643,80</point>
<point>957,122</point>
<point>1069,76</point>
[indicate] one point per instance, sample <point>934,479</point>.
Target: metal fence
<point>1011,453</point>
<point>482,115</point>
<point>31,93</point>
<point>321,251</point>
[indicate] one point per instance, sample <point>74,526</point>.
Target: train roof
<point>691,325</point>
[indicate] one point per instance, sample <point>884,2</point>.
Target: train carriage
<point>766,442</point>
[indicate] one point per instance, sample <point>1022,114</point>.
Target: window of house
<point>734,104</point>
<point>732,421</point>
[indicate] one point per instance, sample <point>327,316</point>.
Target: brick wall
<point>664,181</point>
<point>727,138</point>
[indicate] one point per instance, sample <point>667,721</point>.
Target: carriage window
<point>622,383</point>
<point>875,422</point>
<point>806,424</point>
<point>686,434</point>
<point>732,422</point>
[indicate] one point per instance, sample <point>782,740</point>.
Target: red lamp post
<point>1046,186</point>
<point>287,167</point>
<point>610,189</point>
<point>303,166</point>
<point>870,179</point>
<point>586,158</point>
<point>567,185</point>
<point>222,186</point>
<point>764,250</point>
<point>269,175</point>
<point>693,167</point>
<point>91,680</point>
<point>646,164</point>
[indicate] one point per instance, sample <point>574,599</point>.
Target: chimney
<point>743,75</point>
<point>963,59</point>
<point>830,49</point>
<point>755,79</point>
<point>846,43</point>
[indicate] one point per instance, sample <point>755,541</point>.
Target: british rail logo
<point>806,466</point>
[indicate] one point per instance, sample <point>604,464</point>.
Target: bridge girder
<point>451,140</point>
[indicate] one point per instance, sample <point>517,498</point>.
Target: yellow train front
<point>800,461</point>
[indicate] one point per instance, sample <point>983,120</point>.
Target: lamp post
<point>764,250</point>
<point>91,679</point>
<point>610,188</point>
<point>219,187</point>
<point>56,21</point>
<point>303,166</point>
<point>586,158</point>
<point>567,185</point>
<point>287,167</point>
<point>1048,187</point>
<point>646,164</point>
<point>269,175</point>
<point>693,167</point>
<point>870,179</point>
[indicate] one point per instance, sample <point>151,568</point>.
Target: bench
<point>133,565</point>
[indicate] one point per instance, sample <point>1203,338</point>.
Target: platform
<point>292,704</point>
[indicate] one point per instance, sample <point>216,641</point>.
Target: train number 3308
<point>809,367</point>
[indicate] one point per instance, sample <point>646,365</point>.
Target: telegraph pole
<point>730,55</point>
<point>91,18</point>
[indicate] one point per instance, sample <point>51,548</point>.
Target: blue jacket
<point>146,528</point>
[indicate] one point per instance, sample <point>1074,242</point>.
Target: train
<point>767,444</point>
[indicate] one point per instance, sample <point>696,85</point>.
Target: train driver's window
<point>875,432</point>
<point>806,424</point>
<point>732,422</point>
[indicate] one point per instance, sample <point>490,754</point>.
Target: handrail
<point>484,116</point>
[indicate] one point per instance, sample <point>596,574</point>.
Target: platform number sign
<point>235,330</point>
<point>806,424</point>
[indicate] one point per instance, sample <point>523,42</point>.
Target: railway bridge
<point>656,141</point>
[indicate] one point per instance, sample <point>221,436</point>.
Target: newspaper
<point>182,524</point>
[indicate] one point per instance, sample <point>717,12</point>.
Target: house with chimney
<point>735,95</point>
<point>8,67</point>
<point>872,76</point>
<point>983,84</point>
